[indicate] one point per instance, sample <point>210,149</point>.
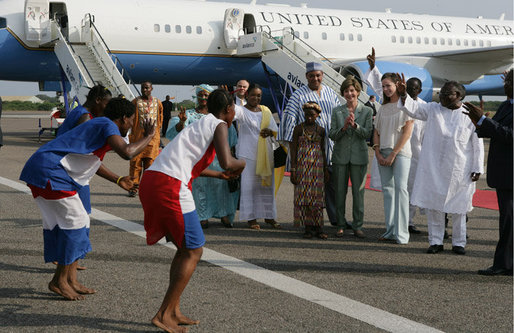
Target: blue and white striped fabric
<point>293,114</point>
<point>65,229</point>
<point>69,123</point>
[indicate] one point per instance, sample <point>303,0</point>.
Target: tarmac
<point>248,281</point>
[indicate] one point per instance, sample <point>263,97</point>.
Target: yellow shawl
<point>264,169</point>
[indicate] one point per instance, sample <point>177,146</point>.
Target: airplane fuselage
<point>182,42</point>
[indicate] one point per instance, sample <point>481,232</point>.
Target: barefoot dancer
<point>96,101</point>
<point>165,193</point>
<point>62,167</point>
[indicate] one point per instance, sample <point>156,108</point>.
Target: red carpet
<point>481,199</point>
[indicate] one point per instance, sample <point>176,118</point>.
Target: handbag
<point>279,154</point>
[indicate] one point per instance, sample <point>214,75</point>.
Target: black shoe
<point>433,249</point>
<point>491,271</point>
<point>413,230</point>
<point>458,250</point>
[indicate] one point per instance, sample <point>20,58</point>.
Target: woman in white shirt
<point>391,141</point>
<point>257,186</point>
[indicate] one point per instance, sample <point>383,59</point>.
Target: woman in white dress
<point>256,125</point>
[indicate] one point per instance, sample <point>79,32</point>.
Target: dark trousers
<point>330,198</point>
<point>503,253</point>
<point>164,128</point>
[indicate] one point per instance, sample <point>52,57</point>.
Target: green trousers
<point>357,174</point>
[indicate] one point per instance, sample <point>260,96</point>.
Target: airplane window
<point>393,39</point>
<point>418,40</point>
<point>481,43</point>
<point>296,34</point>
<point>402,39</point>
<point>450,41</point>
<point>188,29</point>
<point>474,42</point>
<point>410,40</point>
<point>434,41</point>
<point>324,35</point>
<point>359,37</point>
<point>341,36</point>
<point>199,30</point>
<point>178,29</point>
<point>3,22</point>
<point>442,41</point>
<point>457,42</point>
<point>306,34</point>
<point>167,28</point>
<point>465,42</point>
<point>350,37</point>
<point>427,40</point>
<point>488,43</point>
<point>156,28</point>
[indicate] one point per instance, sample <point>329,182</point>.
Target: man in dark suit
<point>499,172</point>
<point>167,107</point>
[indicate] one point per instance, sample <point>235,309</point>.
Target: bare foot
<point>168,326</point>
<point>82,289</point>
<point>65,291</point>
<point>183,320</point>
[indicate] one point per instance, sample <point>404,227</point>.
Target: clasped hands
<point>388,161</point>
<point>349,122</point>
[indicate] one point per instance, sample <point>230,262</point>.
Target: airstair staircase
<point>287,56</point>
<point>89,62</point>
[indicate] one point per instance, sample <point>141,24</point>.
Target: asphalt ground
<point>250,281</point>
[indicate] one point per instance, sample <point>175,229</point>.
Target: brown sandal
<point>322,235</point>
<point>274,224</point>
<point>254,225</point>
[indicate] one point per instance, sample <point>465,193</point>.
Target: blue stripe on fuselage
<point>43,65</point>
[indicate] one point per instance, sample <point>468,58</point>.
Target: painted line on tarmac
<point>26,116</point>
<point>344,305</point>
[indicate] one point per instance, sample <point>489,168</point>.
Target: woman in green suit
<point>350,127</point>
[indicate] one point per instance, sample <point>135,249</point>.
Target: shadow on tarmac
<point>13,318</point>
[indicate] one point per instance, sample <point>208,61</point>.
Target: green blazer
<point>350,145</point>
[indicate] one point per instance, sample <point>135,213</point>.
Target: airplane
<point>186,42</point>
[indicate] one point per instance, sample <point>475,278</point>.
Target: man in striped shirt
<point>293,115</point>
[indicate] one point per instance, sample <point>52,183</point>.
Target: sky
<point>463,8</point>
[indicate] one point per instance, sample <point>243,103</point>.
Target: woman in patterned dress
<point>309,172</point>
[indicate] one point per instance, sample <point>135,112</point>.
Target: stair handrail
<point>116,59</point>
<point>321,56</point>
<point>60,36</point>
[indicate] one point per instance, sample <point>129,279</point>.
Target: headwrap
<point>312,105</point>
<point>204,87</point>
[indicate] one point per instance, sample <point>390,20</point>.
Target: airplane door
<point>232,25</point>
<point>37,21</point>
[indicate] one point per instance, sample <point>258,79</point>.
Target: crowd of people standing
<point>220,160</point>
